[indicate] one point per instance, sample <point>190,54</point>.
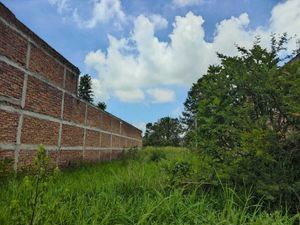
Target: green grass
<point>135,191</point>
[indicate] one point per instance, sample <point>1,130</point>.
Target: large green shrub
<point>248,123</point>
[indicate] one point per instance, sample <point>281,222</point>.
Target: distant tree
<point>101,105</point>
<point>85,91</point>
<point>165,132</point>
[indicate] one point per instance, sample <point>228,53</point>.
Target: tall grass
<point>133,191</point>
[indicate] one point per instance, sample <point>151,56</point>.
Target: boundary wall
<point>39,104</point>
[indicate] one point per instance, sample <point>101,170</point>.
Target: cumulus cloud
<point>160,95</point>
<point>103,11</point>
<point>183,3</point>
<point>158,21</point>
<point>131,66</point>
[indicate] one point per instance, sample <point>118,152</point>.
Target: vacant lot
<point>152,186</point>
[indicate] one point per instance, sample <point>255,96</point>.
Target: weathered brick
<point>38,131</point>
<point>105,155</point>
<point>106,122</point>
<point>92,138</point>
<point>72,136</point>
<point>91,155</point>
<point>94,117</point>
<point>105,140</point>
<point>115,154</point>
<point>122,142</point>
<point>46,65</point>
<point>74,109</point>
<point>67,157</point>
<point>12,45</point>
<point>43,98</point>
<point>53,158</point>
<point>8,127</point>
<point>7,158</point>
<point>115,141</point>
<point>11,81</point>
<point>26,159</point>
<point>71,82</point>
<point>115,125</point>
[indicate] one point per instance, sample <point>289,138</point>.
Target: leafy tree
<point>101,105</point>
<point>248,122</point>
<point>85,91</point>
<point>188,118</point>
<point>165,132</point>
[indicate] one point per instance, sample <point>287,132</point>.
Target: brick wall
<point>39,105</point>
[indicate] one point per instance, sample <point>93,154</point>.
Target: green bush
<point>156,156</point>
<point>248,117</point>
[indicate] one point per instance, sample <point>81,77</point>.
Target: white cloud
<point>158,21</point>
<point>160,95</point>
<point>183,3</point>
<point>130,66</point>
<point>62,5</point>
<point>103,12</point>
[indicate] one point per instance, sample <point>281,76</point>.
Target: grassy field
<point>138,190</point>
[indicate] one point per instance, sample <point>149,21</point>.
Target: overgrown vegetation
<point>135,190</point>
<point>243,119</point>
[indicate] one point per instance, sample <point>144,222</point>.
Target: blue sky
<point>144,55</point>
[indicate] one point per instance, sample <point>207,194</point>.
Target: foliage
<point>101,105</point>
<point>165,132</point>
<point>5,168</point>
<point>29,199</point>
<point>156,156</point>
<point>134,193</point>
<point>249,119</point>
<point>188,118</point>
<point>178,172</point>
<point>85,91</point>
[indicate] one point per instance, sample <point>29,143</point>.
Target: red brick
<point>115,154</point>
<point>53,158</point>
<point>37,131</point>
<point>91,156</point>
<point>66,157</point>
<point>94,117</point>
<point>7,156</point>
<point>92,138</point>
<point>115,125</point>
<point>71,82</point>
<point>115,141</point>
<point>46,65</point>
<point>12,45</point>
<point>43,98</point>
<point>74,109</point>
<point>26,159</point>
<point>72,136</point>
<point>106,122</point>
<point>8,127</point>
<point>123,142</point>
<point>105,140</point>
<point>105,155</point>
<point>11,81</point>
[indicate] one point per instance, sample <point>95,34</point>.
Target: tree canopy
<point>85,91</point>
<point>165,132</point>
